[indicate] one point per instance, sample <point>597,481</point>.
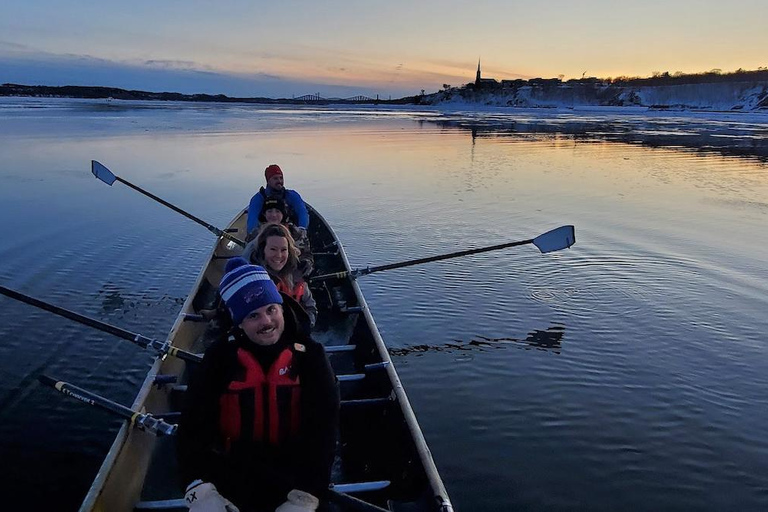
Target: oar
<point>100,171</point>
<point>161,347</point>
<point>149,423</point>
<point>554,240</point>
<point>143,421</point>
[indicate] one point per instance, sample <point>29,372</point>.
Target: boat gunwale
<point>440,494</point>
<point>90,501</point>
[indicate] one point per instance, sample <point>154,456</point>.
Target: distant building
<point>480,81</point>
<point>511,84</point>
<point>545,81</point>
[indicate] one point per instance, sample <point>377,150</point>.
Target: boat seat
<point>344,403</point>
<point>163,379</point>
<point>360,376</point>
<point>339,348</point>
<point>181,388</point>
<point>176,504</point>
<point>348,488</point>
<point>366,401</point>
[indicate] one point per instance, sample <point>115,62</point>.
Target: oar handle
<point>183,354</point>
<point>213,229</point>
<point>327,277</point>
<point>143,421</point>
<point>142,341</point>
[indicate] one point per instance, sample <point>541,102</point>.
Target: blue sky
<point>336,48</point>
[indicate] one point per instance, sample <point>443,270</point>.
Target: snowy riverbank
<point>728,96</point>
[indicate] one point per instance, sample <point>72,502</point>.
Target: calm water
<point>627,373</point>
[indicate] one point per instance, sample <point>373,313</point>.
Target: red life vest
<point>296,293</point>
<point>261,407</point>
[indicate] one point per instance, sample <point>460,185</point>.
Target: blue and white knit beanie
<point>245,288</point>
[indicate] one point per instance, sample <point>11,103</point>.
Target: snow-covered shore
<point>727,96</point>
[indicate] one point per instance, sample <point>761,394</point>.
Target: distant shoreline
<point>115,93</point>
<point>746,92</point>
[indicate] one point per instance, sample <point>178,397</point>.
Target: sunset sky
<point>335,48</point>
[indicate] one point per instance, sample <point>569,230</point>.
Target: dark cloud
<point>7,45</point>
<point>160,76</point>
<point>171,64</point>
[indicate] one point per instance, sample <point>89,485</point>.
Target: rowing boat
<point>382,456</point>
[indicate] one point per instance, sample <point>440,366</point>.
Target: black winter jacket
<point>257,475</point>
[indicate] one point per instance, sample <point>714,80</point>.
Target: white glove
<point>203,497</point>
<point>299,501</point>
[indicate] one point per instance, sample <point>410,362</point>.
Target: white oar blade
<point>101,172</point>
<point>559,238</point>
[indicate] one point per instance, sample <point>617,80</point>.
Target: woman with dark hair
<point>275,250</point>
<point>275,211</point>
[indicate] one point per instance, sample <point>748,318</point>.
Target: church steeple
<point>477,77</point>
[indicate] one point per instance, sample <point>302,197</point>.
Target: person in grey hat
<point>275,211</point>
<point>261,418</point>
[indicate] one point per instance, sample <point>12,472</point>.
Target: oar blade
<point>555,240</point>
<point>100,171</point>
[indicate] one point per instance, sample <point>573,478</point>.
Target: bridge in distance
<point>316,98</point>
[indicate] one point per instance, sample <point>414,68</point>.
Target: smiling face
<point>275,182</point>
<point>265,325</point>
<point>274,216</point>
<point>276,252</point>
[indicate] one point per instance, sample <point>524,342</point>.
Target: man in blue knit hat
<point>253,302</point>
<point>261,419</point>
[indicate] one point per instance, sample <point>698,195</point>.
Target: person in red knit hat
<point>297,210</point>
